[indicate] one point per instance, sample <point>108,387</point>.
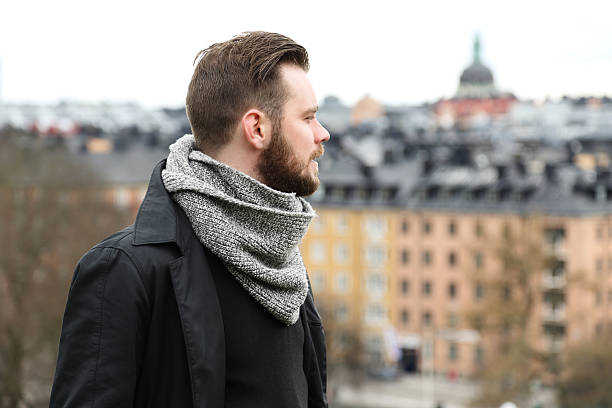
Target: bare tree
<point>585,382</point>
<point>346,353</point>
<point>51,212</point>
<point>505,318</point>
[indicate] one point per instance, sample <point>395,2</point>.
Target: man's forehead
<point>300,89</point>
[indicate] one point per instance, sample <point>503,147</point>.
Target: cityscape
<point>460,244</point>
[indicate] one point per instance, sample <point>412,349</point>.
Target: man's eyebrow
<point>312,110</point>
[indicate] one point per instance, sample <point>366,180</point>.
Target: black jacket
<point>143,325</point>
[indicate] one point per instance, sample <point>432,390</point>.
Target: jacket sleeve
<point>103,333</point>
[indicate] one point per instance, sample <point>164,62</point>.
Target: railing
<point>553,282</point>
<point>554,315</point>
<point>555,344</point>
<point>556,249</point>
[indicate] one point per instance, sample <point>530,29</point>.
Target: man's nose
<point>322,133</point>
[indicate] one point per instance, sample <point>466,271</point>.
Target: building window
<point>598,298</point>
<point>558,269</point>
<point>555,238</point>
<point>478,260</point>
<point>426,258</point>
<point>405,286</point>
<point>317,224</point>
<point>478,291</point>
<point>376,283</point>
<point>427,319</point>
<point>375,255</point>
<point>453,351</point>
<point>340,312</point>
<point>506,230</point>
<point>374,346</point>
<point>426,226</point>
<point>405,226</point>
<point>600,232</point>
<point>452,259</point>
<point>342,253</point>
<point>405,316</point>
<point>428,350</point>
<point>478,356</point>
<point>405,256</point>
<point>599,265</point>
<point>452,228</point>
<point>317,251</point>
<point>453,320</point>
<point>375,313</point>
<point>342,224</point>
<point>452,290</point>
<point>375,226</point>
<point>318,281</point>
<point>427,288</point>
<point>342,281</point>
<point>506,292</point>
<point>478,229</point>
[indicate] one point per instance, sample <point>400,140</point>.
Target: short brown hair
<point>234,76</point>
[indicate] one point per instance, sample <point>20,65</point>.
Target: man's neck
<point>238,159</point>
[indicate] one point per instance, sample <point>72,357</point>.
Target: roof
<point>559,189</point>
<point>476,73</point>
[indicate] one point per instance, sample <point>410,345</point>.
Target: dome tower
<point>476,81</point>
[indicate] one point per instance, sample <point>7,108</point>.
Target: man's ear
<point>256,128</point>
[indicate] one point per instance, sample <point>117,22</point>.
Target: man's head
<point>252,93</point>
<point>287,163</point>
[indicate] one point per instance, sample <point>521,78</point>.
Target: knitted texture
<point>254,229</point>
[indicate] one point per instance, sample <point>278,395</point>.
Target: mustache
<point>320,152</point>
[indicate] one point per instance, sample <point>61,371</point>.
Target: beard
<point>282,170</point>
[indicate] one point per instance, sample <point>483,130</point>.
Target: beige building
<point>417,266</point>
<point>366,109</point>
<point>349,255</point>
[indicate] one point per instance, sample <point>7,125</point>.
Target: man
<point>205,301</point>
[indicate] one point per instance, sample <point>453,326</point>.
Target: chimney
<point>427,167</point>
<point>601,193</point>
<point>521,166</point>
<point>367,171</point>
<point>502,172</point>
<point>550,172</point>
<point>603,174</point>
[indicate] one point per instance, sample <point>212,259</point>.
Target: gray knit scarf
<point>254,229</point>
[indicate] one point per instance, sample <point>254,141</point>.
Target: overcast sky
<point>396,51</point>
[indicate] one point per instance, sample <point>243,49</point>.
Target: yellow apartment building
<point>408,273</point>
<point>349,255</point>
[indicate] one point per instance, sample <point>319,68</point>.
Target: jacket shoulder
<point>148,259</point>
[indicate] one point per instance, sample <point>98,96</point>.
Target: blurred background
<point>463,251</point>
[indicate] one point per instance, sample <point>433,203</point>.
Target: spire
<point>477,48</point>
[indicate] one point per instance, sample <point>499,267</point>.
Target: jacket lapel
<point>201,318</point>
<point>160,220</point>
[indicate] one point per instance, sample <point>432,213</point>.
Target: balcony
<point>555,343</point>
<point>553,282</point>
<point>553,315</point>
<point>556,249</point>
<point>555,238</point>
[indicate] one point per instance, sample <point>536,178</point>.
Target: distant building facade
<point>402,253</point>
<point>365,110</point>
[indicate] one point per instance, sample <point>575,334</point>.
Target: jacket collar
<point>159,219</point>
